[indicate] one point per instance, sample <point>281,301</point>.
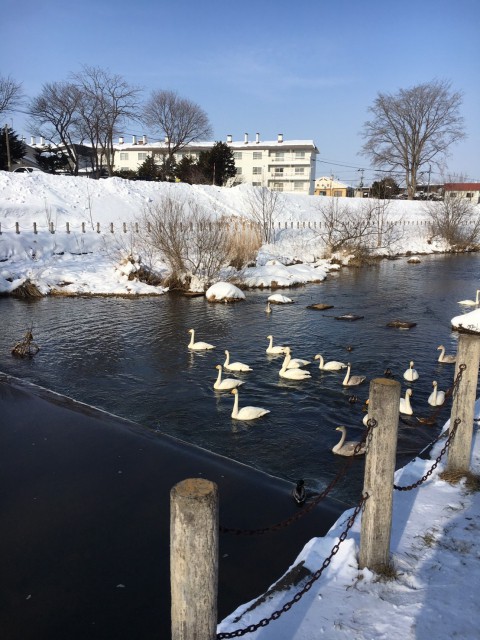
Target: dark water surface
<point>130,357</point>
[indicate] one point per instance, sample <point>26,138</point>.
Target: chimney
<point>42,141</point>
<point>257,138</point>
<point>33,142</point>
<point>120,140</point>
<point>166,140</point>
<point>280,137</point>
<point>229,138</point>
<point>134,139</point>
<point>246,138</point>
<point>144,138</point>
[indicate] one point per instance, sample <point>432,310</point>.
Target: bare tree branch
<point>11,94</point>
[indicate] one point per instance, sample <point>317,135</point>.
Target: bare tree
<point>192,242</point>
<point>413,128</point>
<point>455,219</point>
<point>54,114</point>
<point>179,120</point>
<point>108,102</point>
<point>265,205</point>
<point>11,94</point>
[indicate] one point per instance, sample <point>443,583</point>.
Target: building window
<point>337,194</point>
<point>278,155</point>
<point>469,195</point>
<point>299,170</point>
<point>278,170</point>
<point>239,171</point>
<point>256,184</point>
<point>123,155</point>
<point>257,155</point>
<point>299,186</point>
<point>237,155</point>
<point>299,155</point>
<point>142,155</point>
<point>257,171</point>
<point>277,186</point>
<point>452,194</point>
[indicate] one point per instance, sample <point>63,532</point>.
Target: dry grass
<point>472,481</point>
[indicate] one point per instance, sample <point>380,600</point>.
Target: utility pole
<point>7,144</point>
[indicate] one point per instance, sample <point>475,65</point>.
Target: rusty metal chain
<point>308,585</point>
<point>311,504</point>
<point>435,464</point>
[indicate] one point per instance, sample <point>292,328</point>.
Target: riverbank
<point>63,235</point>
<point>85,535</point>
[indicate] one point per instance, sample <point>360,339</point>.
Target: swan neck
<point>192,334</point>
<point>347,375</point>
<point>235,405</point>
<point>219,377</point>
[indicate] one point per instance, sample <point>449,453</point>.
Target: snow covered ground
<point>435,541</point>
<point>92,259</point>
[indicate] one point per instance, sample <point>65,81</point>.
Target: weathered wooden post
<point>383,407</point>
<point>68,227</point>
<point>17,227</point>
<point>194,559</point>
<point>83,227</point>
<point>124,227</point>
<point>463,406</point>
<point>111,227</point>
<point>52,227</point>
<point>35,231</point>
<point>98,227</point>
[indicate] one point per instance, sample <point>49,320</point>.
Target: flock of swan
<point>295,369</point>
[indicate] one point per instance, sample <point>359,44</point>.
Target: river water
<point>130,357</point>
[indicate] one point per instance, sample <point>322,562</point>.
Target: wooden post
<point>383,407</point>
<point>68,227</point>
<point>52,228</point>
<point>463,406</point>
<point>111,227</point>
<point>83,227</point>
<point>124,227</point>
<point>98,227</point>
<point>35,228</point>
<point>17,227</point>
<point>194,559</point>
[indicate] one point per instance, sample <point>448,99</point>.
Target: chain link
<point>311,504</point>
<point>308,585</point>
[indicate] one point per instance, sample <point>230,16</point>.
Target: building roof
<point>237,145</point>
<point>462,186</point>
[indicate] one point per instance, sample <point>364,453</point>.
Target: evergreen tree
<point>51,161</point>
<point>148,170</point>
<point>218,164</point>
<point>384,189</point>
<point>16,148</point>
<point>187,170</point>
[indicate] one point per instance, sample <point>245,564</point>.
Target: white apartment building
<point>281,165</point>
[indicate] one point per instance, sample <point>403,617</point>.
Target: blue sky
<point>309,70</point>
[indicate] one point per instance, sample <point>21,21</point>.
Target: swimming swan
<point>343,448</point>
<point>445,359</point>
<point>352,381</point>
<point>271,350</point>
<point>198,346</point>
<point>292,374</point>
<point>436,398</point>
<point>405,406</point>
<point>246,413</point>
<point>295,363</point>
<point>471,303</point>
<point>234,366</point>
<point>333,365</point>
<point>227,383</point>
<point>411,374</point>
<point>268,308</point>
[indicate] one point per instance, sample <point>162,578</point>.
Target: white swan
<point>292,374</point>
<point>271,350</point>
<point>198,346</point>
<point>227,383</point>
<point>234,366</point>
<point>343,448</point>
<point>445,359</point>
<point>411,374</point>
<point>352,381</point>
<point>295,363</point>
<point>333,365</point>
<point>436,398</point>
<point>268,308</point>
<point>405,406</point>
<point>471,303</point>
<point>246,413</point>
